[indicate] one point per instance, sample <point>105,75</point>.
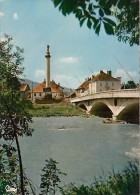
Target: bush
<point>121,183</point>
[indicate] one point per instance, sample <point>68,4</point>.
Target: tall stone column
<point>47,89</point>
<point>48,56</point>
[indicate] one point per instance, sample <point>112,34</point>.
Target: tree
<point>130,85</point>
<point>50,178</point>
<point>119,17</point>
<point>14,116</point>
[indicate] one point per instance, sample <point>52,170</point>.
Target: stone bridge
<point>115,100</point>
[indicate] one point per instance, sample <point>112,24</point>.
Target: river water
<point>84,147</point>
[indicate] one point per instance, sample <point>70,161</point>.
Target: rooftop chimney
<point>109,73</point>
<point>101,71</point>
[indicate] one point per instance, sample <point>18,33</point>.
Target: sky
<point>76,52</point>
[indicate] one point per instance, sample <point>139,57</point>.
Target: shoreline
<point>68,110</point>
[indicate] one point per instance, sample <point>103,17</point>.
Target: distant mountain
<point>68,91</point>
<point>33,84</point>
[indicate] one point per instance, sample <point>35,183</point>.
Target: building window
<point>34,94</point>
<point>40,94</point>
<point>112,84</point>
<point>106,84</point>
<point>100,84</point>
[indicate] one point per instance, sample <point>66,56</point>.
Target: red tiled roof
<point>84,85</point>
<point>104,77</point>
<point>54,87</point>
<point>100,77</point>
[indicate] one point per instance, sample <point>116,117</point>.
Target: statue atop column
<point>48,52</point>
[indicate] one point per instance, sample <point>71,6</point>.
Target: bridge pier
<point>114,117</point>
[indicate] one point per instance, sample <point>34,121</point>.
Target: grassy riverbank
<point>46,110</point>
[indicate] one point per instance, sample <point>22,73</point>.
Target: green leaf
<point>108,4</point>
<point>113,2</point>
<point>101,13</point>
<point>97,29</point>
<point>89,23</point>
<point>96,23</point>
<point>82,21</point>
<point>111,22</point>
<point>90,8</point>
<point>78,14</point>
<point>107,11</point>
<point>108,28</point>
<point>67,6</point>
<point>93,19</point>
<point>120,4</point>
<point>102,2</point>
<point>57,2</point>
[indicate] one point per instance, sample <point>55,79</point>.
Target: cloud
<point>15,16</point>
<point>1,14</point>
<point>69,81</point>
<point>62,77</point>
<point>69,60</point>
<point>40,74</point>
<point>64,80</point>
<point>126,75</point>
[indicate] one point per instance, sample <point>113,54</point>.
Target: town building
<point>38,93</point>
<point>99,83</point>
<point>24,91</point>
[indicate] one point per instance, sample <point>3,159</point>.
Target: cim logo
<point>10,189</point>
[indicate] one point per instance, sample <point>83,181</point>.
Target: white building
<point>101,82</point>
<point>104,82</point>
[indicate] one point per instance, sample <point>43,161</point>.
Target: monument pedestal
<point>48,93</point>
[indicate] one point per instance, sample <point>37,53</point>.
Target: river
<point>84,147</point>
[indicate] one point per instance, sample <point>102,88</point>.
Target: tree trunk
<point>18,149</point>
<point>20,165</point>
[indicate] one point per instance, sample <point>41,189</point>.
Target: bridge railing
<point>124,93</point>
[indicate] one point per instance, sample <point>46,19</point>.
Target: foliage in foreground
<point>14,116</point>
<point>50,179</point>
<point>121,183</point>
<point>119,17</point>
<point>125,182</point>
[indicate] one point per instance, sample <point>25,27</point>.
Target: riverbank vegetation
<point>59,109</point>
<point>125,182</point>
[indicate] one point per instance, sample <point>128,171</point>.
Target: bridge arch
<point>101,109</point>
<point>122,104</point>
<point>130,113</point>
<point>82,106</point>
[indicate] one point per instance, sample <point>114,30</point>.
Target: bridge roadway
<point>116,100</point>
